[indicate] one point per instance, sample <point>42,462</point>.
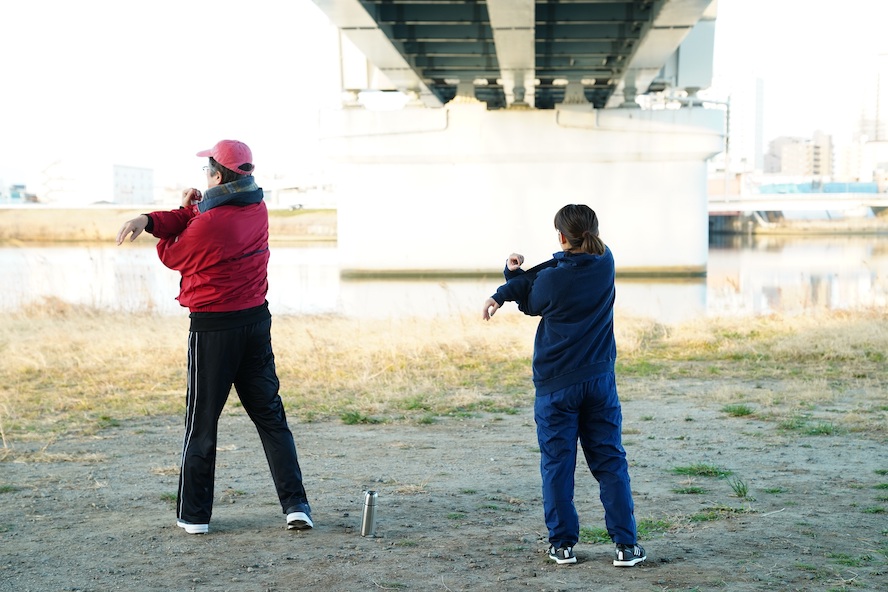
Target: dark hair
<point>228,175</point>
<point>579,225</point>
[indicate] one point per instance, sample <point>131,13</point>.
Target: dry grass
<point>100,224</point>
<point>821,368</point>
<point>66,369</point>
<point>75,369</point>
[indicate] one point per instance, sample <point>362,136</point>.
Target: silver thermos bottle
<point>368,518</point>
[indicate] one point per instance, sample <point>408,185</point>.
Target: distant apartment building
<point>74,181</point>
<point>873,123</point>
<point>848,163</point>
<point>801,157</point>
<point>17,194</point>
<point>133,185</point>
<point>744,142</point>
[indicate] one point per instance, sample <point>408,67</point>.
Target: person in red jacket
<point>218,242</point>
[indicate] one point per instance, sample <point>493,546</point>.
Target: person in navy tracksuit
<point>218,242</point>
<point>573,373</point>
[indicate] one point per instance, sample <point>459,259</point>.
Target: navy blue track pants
<point>217,360</point>
<point>589,411</point>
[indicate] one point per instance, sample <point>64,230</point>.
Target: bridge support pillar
<point>455,190</point>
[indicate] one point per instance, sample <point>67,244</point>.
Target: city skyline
<point>152,95</point>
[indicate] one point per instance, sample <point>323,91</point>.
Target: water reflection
<point>764,275</point>
<point>746,276</point>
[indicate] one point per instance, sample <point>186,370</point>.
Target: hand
<point>190,197</point>
<point>514,261</point>
<point>490,308</point>
<point>134,226</point>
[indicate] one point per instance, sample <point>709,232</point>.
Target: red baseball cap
<point>233,155</point>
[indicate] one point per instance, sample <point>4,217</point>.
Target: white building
<point>133,185</point>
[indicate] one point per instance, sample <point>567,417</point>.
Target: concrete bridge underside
<point>515,108</point>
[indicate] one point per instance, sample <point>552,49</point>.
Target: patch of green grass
<point>738,410</point>
<point>875,356</point>
<point>691,490</point>
<point>796,422</point>
<point>717,513</point>
<point>875,510</point>
<point>416,403</point>
<point>739,487</point>
<point>594,535</point>
<point>806,567</point>
<point>882,486</point>
<point>639,368</point>
<point>168,497</point>
<point>455,516</point>
<point>822,428</point>
<point>849,560</point>
<point>427,419</point>
<point>646,529</point>
<point>881,471</point>
<point>705,516</point>
<point>106,421</point>
<point>8,488</point>
<point>406,543</point>
<point>514,549</point>
<point>356,417</point>
<point>774,490</point>
<point>468,491</point>
<point>701,470</point>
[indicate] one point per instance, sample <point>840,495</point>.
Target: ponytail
<point>579,225</point>
<point>592,243</point>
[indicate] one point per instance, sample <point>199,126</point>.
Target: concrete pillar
<point>455,190</point>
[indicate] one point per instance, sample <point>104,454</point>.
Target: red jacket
<point>222,255</point>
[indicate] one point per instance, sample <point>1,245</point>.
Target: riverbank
<point>847,227</point>
<point>760,223</point>
<point>38,224</point>
<point>98,224</point>
<point>757,452</point>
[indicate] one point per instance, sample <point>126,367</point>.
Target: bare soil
<point>459,507</point>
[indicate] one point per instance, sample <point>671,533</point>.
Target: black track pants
<point>217,360</point>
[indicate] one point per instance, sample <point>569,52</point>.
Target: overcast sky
<point>149,83</point>
<point>815,57</point>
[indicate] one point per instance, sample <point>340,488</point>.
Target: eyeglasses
<point>208,169</point>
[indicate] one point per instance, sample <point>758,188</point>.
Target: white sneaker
<point>299,521</point>
<point>193,528</point>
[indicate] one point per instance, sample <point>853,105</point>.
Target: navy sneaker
<point>299,517</point>
<point>628,555</point>
<point>562,555</point>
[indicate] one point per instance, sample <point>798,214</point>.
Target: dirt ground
<point>459,508</point>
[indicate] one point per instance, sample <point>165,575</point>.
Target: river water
<point>745,276</point>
